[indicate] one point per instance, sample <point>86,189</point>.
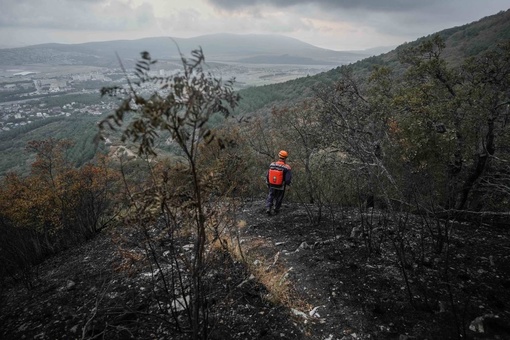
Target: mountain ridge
<point>224,47</point>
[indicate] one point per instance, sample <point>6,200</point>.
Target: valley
<point>34,92</point>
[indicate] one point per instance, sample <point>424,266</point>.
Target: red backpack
<point>276,175</point>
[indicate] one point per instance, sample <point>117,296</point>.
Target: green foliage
<point>454,115</point>
<point>262,99</point>
<point>83,98</point>
<point>82,129</point>
<point>14,95</point>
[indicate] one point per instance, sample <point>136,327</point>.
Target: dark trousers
<point>275,196</point>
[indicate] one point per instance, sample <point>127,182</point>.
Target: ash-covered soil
<point>340,284</point>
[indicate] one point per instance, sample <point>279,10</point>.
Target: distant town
<point>24,96</point>
<point>41,92</point>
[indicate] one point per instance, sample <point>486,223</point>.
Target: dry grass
<point>269,270</point>
<point>131,261</point>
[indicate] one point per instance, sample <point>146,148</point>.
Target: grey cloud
<point>395,17</point>
<point>431,10</point>
<point>374,5</point>
<point>73,14</point>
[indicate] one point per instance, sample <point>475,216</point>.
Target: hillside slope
<point>336,289</point>
<point>461,42</point>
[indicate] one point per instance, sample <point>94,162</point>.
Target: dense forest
<point>420,134</point>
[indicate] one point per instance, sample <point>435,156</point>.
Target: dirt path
<point>353,293</point>
<point>320,266</point>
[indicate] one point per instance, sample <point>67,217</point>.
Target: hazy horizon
<point>339,25</point>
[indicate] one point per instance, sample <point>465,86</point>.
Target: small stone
<point>299,313</point>
<point>304,245</point>
<point>70,284</point>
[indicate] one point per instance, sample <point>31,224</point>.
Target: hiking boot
<point>276,212</point>
<point>268,211</point>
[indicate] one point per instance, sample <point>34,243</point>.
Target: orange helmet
<point>283,154</point>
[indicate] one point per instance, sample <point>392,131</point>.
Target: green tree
<point>451,119</point>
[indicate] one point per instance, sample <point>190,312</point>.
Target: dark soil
<point>340,285</point>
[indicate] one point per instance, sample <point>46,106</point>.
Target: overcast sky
<point>332,24</point>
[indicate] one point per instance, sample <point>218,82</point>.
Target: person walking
<point>278,176</point>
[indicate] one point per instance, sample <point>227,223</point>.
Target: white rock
<point>70,284</point>
<point>181,303</point>
<point>477,325</point>
<point>313,313</point>
<point>299,313</point>
<point>356,232</point>
<point>188,247</point>
<point>304,245</point>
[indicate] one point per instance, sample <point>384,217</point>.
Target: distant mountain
<point>461,42</point>
<point>283,59</point>
<point>216,47</point>
<point>376,50</point>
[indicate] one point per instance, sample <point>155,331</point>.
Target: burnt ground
<point>301,280</point>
